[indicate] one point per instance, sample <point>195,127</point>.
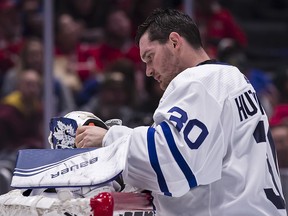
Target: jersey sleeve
<point>114,133</point>
<point>185,147</point>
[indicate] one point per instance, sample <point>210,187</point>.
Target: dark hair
<point>162,22</point>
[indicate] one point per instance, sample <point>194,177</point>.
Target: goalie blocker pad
<point>52,168</point>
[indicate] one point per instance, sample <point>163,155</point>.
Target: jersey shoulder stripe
<point>155,162</point>
<point>178,156</point>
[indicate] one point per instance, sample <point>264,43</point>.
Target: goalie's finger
<point>79,136</point>
<point>80,130</point>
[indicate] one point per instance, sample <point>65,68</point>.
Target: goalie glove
<point>63,129</point>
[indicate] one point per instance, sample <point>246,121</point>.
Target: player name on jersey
<point>248,105</point>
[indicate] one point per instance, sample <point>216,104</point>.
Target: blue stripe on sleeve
<point>177,155</point>
<point>155,162</point>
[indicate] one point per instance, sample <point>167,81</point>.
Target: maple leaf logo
<point>65,135</point>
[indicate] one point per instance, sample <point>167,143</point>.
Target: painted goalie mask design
<point>63,129</point>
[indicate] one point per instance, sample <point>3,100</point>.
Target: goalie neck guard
<point>63,129</point>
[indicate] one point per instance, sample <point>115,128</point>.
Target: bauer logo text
<point>74,167</point>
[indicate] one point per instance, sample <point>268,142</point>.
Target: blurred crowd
<point>97,67</point>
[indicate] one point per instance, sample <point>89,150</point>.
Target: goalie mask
<point>63,129</point>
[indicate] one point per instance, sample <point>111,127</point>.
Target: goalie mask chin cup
<point>63,129</point>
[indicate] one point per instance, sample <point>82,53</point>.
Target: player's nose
<point>149,71</point>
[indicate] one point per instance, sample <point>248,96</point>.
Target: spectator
<point>119,44</point>
<point>11,40</point>
<point>74,63</point>
<point>116,96</point>
<point>127,68</point>
<point>118,41</point>
<point>215,23</point>
<point>32,17</point>
<point>31,58</point>
<point>90,13</point>
<point>21,114</point>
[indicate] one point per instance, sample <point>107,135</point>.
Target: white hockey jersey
<point>210,152</point>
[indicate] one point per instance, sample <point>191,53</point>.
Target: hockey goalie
<point>66,180</point>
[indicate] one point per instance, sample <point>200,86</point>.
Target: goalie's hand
<point>87,136</point>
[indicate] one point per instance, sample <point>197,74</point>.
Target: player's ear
<point>174,39</point>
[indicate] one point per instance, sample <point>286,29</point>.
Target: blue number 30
<point>182,119</point>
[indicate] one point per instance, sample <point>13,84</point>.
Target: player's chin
<point>162,85</point>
